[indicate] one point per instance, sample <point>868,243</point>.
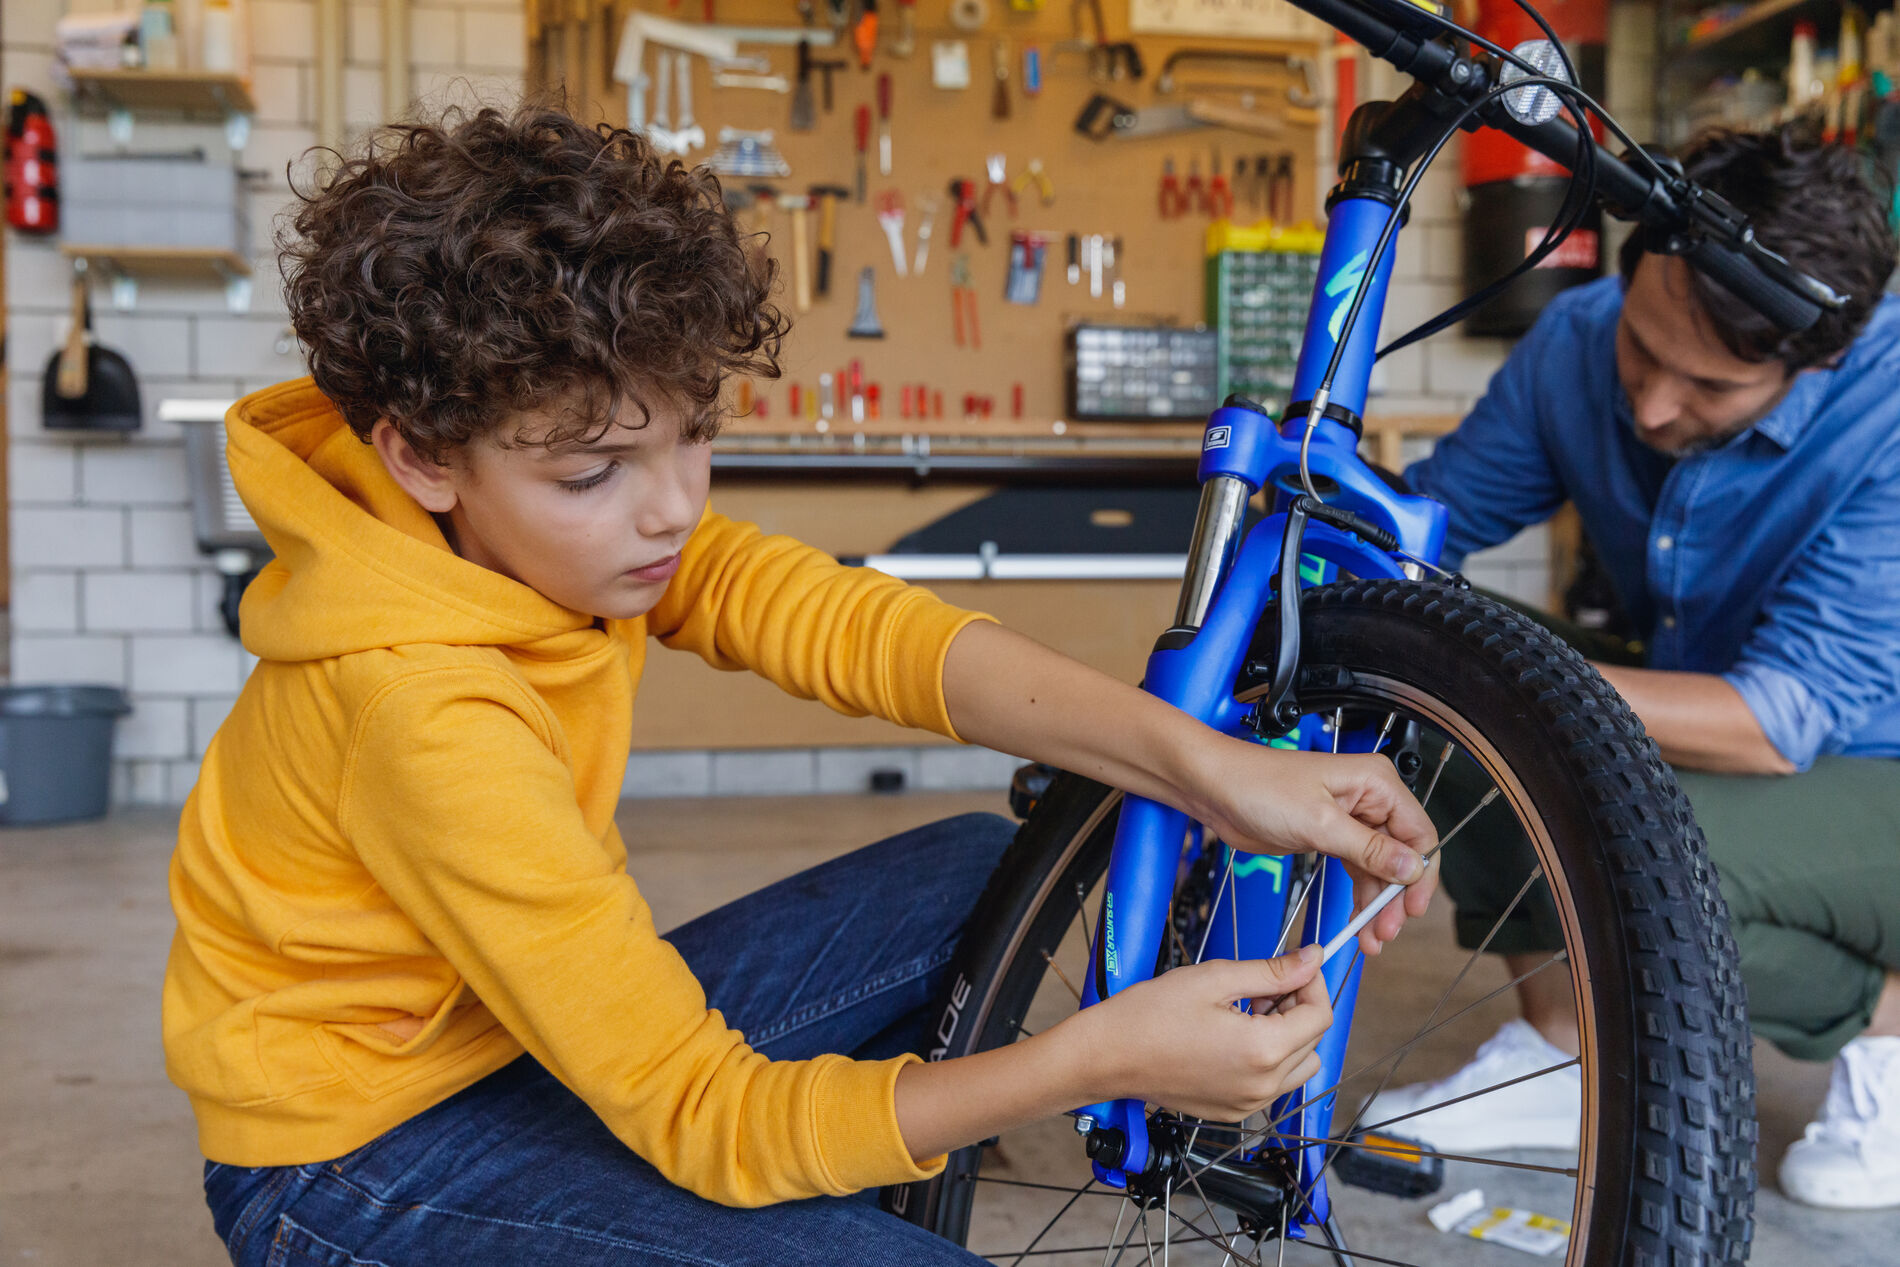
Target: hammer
<point>799,205</point>
<point>827,196</point>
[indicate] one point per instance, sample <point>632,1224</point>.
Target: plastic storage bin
<point>56,752</point>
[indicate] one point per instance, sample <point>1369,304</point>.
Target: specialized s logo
<point>1344,282</point>
<point>1217,438</point>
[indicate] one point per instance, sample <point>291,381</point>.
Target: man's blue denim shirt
<point>1773,560</point>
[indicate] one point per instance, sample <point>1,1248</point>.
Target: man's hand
<point>1355,808</point>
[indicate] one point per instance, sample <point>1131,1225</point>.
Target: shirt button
<point>1663,543</point>
<point>1668,622</point>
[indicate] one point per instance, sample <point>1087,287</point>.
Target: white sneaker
<point>1850,1158</point>
<point>1541,1112</point>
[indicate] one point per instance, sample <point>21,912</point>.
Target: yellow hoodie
<point>399,869</point>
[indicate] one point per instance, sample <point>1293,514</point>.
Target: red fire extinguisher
<point>32,166</point>
<point>1513,192</point>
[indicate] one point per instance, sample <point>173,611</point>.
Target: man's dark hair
<point>1809,202</point>
<point>450,275</point>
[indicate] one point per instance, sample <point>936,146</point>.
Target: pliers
<point>963,193</point>
<point>1280,191</point>
<point>1220,198</point>
<point>963,303</point>
<point>997,168</point>
<point>1034,175</point>
<point>1172,201</point>
<point>1194,196</point>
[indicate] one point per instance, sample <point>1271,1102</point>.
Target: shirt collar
<point>1788,421</point>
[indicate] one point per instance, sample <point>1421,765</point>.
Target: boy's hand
<point>1268,800</point>
<point>1178,1041</point>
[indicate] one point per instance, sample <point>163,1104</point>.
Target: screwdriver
<point>864,140</point>
<point>884,125</point>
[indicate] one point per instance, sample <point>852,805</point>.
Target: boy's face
<point>596,527</point>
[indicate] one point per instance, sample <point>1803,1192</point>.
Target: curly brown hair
<point>455,274</point>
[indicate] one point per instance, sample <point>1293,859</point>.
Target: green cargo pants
<point>1809,864</point>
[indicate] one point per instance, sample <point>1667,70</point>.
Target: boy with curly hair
<point>420,1008</point>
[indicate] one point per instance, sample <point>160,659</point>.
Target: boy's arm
<point>456,801</point>
<point>1009,692</point>
<point>852,638</point>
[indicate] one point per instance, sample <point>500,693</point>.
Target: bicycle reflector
<point>1533,105</point>
<point>1390,1164</point>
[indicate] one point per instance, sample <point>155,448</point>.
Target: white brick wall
<point>108,582</point>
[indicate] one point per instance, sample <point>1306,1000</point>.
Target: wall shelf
<point>124,265</point>
<point>189,91</point>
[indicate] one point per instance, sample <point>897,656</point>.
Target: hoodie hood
<point>359,564</point>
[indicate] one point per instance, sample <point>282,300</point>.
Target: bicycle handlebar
<point>1711,235</point>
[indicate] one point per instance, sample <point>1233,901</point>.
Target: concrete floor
<point>97,1159</point>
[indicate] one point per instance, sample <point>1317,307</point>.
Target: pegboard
<point>1108,187</point>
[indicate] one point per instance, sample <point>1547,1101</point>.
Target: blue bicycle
<point>1499,728</point>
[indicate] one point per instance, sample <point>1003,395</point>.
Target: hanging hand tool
<point>742,153</point>
<point>764,83</point>
<point>884,125</point>
<point>1023,283</point>
<point>996,167</point>
<point>827,196</point>
<point>1074,250</point>
<point>1116,290</point>
<point>963,304</point>
<point>690,136</point>
<point>660,127</point>
<point>1220,198</point>
<point>1034,175</point>
<point>799,205</point>
<point>827,397</point>
<point>1173,203</point>
<point>927,207</point>
<point>864,34</point>
<point>1194,193</point>
<point>906,42</point>
<point>864,144</point>
<point>804,118</point>
<point>838,13</point>
<point>963,193</point>
<point>1095,266</point>
<point>1280,191</point>
<point>826,69</point>
<point>865,324</point>
<point>1305,96</point>
<point>999,64</point>
<point>890,218</point>
<point>1032,71</point>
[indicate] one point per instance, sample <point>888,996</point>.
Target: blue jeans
<point>516,1170</point>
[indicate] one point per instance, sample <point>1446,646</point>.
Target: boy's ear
<point>430,483</point>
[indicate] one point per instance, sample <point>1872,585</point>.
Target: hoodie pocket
<point>376,1064</point>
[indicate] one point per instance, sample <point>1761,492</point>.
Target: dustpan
<point>88,387</point>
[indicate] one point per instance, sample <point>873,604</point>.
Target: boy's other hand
<point>1355,808</point>
<point>1178,1040</point>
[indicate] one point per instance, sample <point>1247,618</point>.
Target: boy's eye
<point>586,482</point>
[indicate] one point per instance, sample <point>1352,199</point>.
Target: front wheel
<point>1663,1168</point>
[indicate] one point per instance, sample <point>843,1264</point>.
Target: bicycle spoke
<point>1249,1138</point>
<point>1088,1190</point>
<point>1214,909</point>
<point>1356,1129</point>
<point>1360,1145</point>
<point>1222,1239</point>
<point>1120,1212</point>
<point>1061,975</point>
<point>1037,1240</point>
<point>1357,1253</point>
<point>1444,758</point>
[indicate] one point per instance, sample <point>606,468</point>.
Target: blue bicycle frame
<point>1196,665</point>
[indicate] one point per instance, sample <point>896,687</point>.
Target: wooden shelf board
<point>192,261</point>
<point>214,92</point>
<point>1756,23</point>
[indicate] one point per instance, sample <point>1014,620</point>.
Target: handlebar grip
<point>1747,282</point>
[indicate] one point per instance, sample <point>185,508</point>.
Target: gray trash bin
<point>56,751</point>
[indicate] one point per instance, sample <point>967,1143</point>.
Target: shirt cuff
<point>1789,714</point>
<point>854,1108</point>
